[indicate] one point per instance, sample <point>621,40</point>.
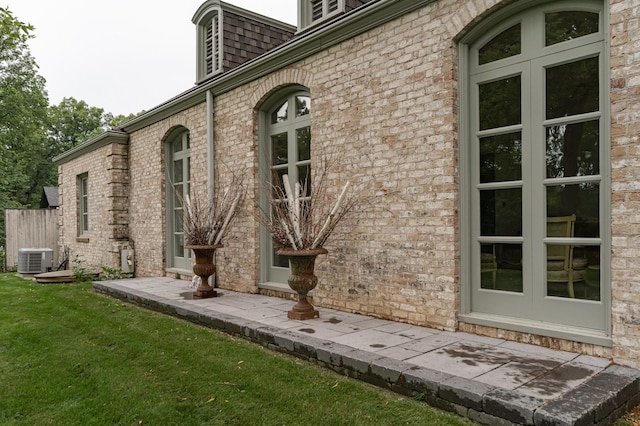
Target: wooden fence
<point>30,228</point>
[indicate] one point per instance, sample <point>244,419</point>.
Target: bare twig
<point>303,217</point>
<point>206,223</point>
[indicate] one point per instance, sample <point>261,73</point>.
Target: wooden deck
<point>65,276</point>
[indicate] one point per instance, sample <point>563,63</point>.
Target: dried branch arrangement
<point>207,222</point>
<point>302,218</point>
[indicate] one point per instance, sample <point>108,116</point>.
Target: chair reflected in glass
<point>489,264</point>
<point>562,267</point>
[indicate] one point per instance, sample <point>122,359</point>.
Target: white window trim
<point>213,17</point>
<point>83,205</point>
<point>305,11</point>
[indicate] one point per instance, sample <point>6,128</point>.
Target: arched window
<point>178,185</point>
<point>208,20</point>
<point>535,178</point>
<point>286,151</point>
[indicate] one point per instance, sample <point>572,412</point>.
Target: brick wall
<point>108,195</point>
<point>147,202</point>
<point>386,103</point>
<point>378,98</point>
<point>625,176</point>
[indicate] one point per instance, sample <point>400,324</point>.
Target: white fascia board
<point>106,138</point>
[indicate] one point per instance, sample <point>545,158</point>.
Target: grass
<point>69,356</point>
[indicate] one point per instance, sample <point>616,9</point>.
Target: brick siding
<point>386,102</point>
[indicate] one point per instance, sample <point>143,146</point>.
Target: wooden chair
<point>489,264</point>
<point>560,267</point>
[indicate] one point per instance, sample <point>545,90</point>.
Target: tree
<point>73,122</point>
<point>32,133</point>
<point>23,112</point>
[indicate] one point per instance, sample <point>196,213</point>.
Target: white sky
<point>121,55</point>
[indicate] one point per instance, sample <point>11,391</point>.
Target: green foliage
<point>3,259</point>
<point>105,362</point>
<point>32,133</point>
<point>79,269</point>
<point>23,106</point>
<point>111,273</point>
<point>73,122</point>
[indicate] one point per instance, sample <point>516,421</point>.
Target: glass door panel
<point>290,154</point>
<point>573,149</point>
<point>178,187</point>
<point>572,88</point>
<point>501,158</point>
<point>501,267</point>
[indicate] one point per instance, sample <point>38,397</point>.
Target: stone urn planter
<point>302,280</point>
<point>204,268</point>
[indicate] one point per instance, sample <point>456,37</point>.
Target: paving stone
<point>559,380</point>
<point>317,332</point>
<point>540,351</point>
<point>429,343</point>
<point>487,419</point>
<point>579,406</point>
<point>359,361</point>
<point>370,340</point>
<point>331,353</point>
<point>397,327</point>
<point>512,375</point>
<point>234,325</point>
<point>625,372</point>
<point>462,360</point>
<point>213,321</point>
<point>413,332</point>
<point>388,370</point>
<point>306,347</point>
<point>445,405</point>
<point>266,335</point>
<point>512,406</point>
<point>623,387</point>
<point>284,340</point>
<point>464,392</point>
<point>398,353</point>
<point>424,380</point>
<point>592,360</point>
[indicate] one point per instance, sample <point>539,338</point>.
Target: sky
<point>124,56</point>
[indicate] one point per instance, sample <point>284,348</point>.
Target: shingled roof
<point>49,198</point>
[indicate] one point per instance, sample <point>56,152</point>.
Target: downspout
<point>211,160</point>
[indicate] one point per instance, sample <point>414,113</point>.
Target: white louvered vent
<point>34,260</point>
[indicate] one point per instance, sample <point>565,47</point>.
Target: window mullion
<point>533,170</point>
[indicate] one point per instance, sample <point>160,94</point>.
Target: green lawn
<point>71,357</point>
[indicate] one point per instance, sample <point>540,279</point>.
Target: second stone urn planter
<point>302,280</point>
<point>204,268</point>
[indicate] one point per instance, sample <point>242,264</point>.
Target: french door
<point>537,179</point>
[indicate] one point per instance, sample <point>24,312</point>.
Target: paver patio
<point>489,380</point>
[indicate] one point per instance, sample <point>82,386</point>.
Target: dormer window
<point>210,44</point>
<point>229,36</point>
<point>311,12</point>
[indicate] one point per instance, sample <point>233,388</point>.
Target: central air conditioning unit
<point>35,260</point>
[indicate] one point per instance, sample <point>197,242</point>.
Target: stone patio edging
<point>599,401</point>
